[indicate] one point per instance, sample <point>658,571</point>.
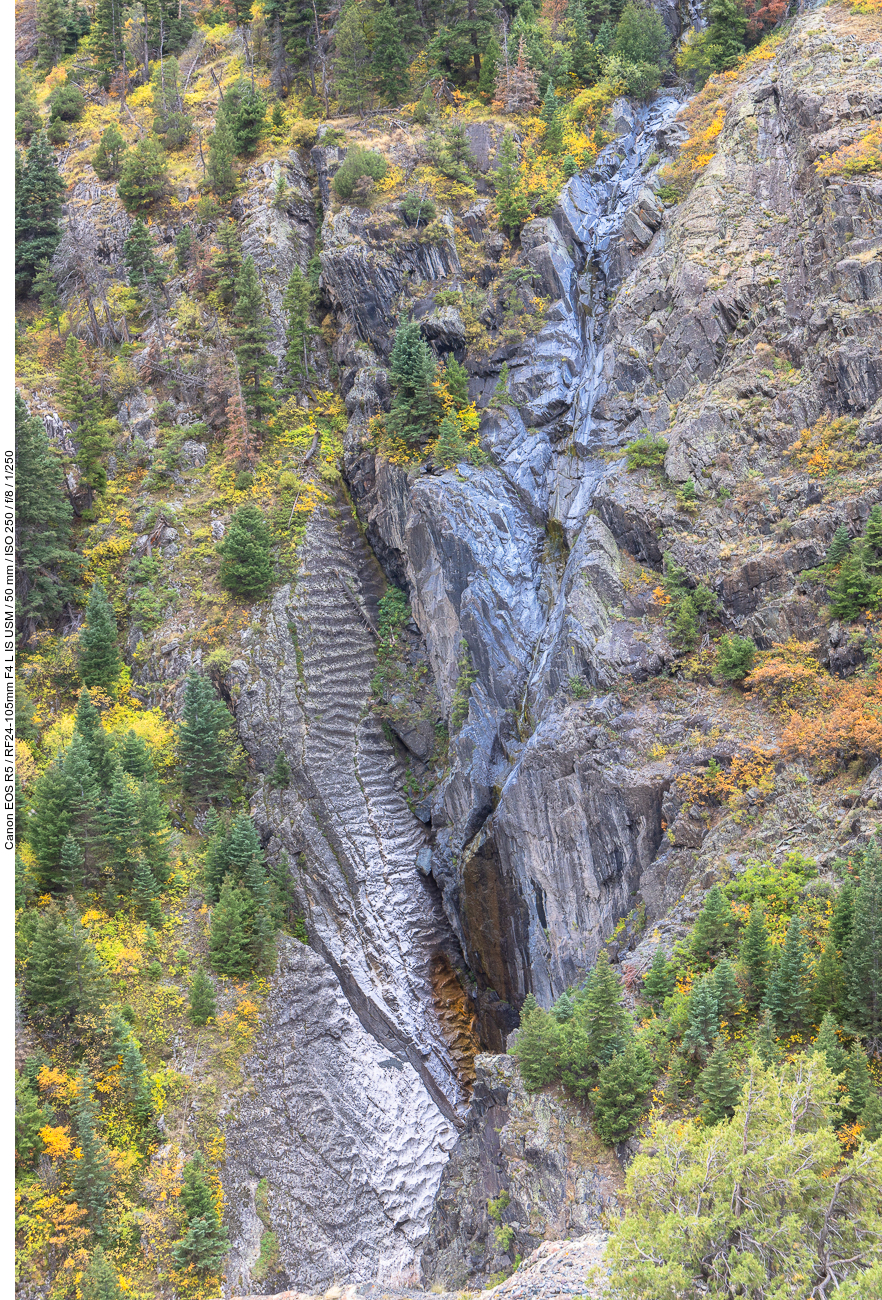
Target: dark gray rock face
<point>530,1147</point>
<point>498,600</point>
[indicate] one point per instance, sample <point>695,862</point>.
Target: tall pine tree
<point>44,562</point>
<point>863,956</point>
<point>98,655</point>
<point>788,996</point>
<point>246,559</point>
<point>38,192</point>
<point>251,334</point>
<point>200,741</point>
<point>92,1173</point>
<point>297,303</point>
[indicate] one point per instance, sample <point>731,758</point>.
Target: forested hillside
<point>448,570</point>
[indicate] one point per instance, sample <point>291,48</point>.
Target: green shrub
<point>417,209</point>
<point>359,167</point>
<point>243,481</point>
<point>735,657</point>
<point>647,452</point>
<point>67,102</point>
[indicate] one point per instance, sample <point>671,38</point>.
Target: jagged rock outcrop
<point>753,315</point>
<point>533,1157</point>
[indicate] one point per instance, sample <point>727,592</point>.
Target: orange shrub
<point>846,724</point>
<point>865,155</point>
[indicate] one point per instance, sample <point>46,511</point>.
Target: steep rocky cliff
<point>514,801</point>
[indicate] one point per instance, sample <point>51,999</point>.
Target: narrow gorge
<point>476,719</point>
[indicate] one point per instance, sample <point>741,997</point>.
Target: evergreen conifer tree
<point>828,985</point>
<point>564,1008</point>
<point>216,862</point>
<point>30,1117</point>
<point>70,866</point>
<point>714,926</point>
<point>134,758</point>
<point>51,32</point>
<point>220,172</point>
<point>862,966</point>
<point>84,795</point>
<point>183,247</point>
<point>660,980</point>
<point>601,1012</point>
<point>842,920</point>
<point>202,1004</point>
<point>142,175</point>
<point>228,943</point>
<point>451,447</point>
<point>228,262</point>
<point>44,561</point>
<point>788,993</point>
<point>464,30</point>
<point>107,38</point>
<point>456,381</point>
<point>411,370</point>
<point>172,122</point>
<point>872,542</point>
<point>201,748</point>
<point>280,777</point>
<point>88,725</point>
<point>512,201</point>
<point>79,403</point>
<point>144,269</point>
<point>246,560</point>
<point>251,333</point>
<point>38,192</point>
<point>92,1175</point>
<point>46,291</point>
<point>537,1047</point>
<point>204,1242</point>
<point>622,1090</point>
<point>718,1085</point>
<point>144,892</point>
<point>584,58</point>
<point>99,1281</point>
<point>153,830</point>
<point>828,1044</point>
<point>389,59</point>
<point>852,592</point>
<point>839,546</point>
<point>243,844</point>
<point>704,1021</point>
<point>99,658</point>
<point>352,68</point>
<point>120,833</point>
<point>766,1044</point>
<point>48,980</point>
<point>107,158</point>
<point>754,956</point>
<point>726,28</point>
<point>245,109</point>
<point>49,823</point>
<point>297,303</point>
<point>726,990</point>
<point>489,68</point>
<point>858,1083</point>
<point>641,36</point>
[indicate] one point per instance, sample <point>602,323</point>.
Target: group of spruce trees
<point>856,569</point>
<point>589,1041</point>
